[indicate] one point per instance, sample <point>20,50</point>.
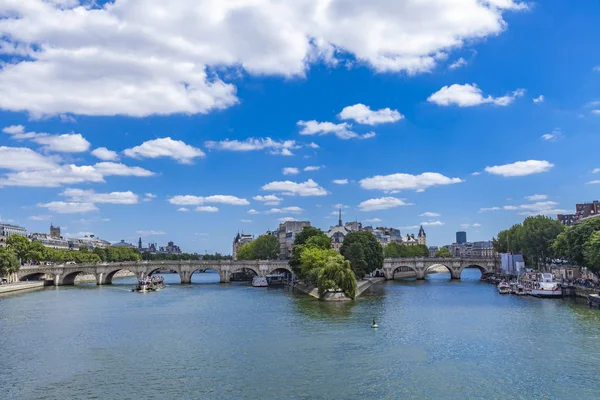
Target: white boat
<point>541,284</point>
<point>504,288</point>
<point>260,281</point>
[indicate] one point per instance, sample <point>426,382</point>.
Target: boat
<point>149,284</point>
<point>519,290</point>
<point>541,284</point>
<point>594,300</point>
<point>276,280</point>
<point>504,288</point>
<point>260,281</point>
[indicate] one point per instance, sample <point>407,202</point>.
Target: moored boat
<point>594,300</point>
<point>541,285</point>
<point>504,288</point>
<point>149,284</point>
<point>260,281</point>
<point>276,280</point>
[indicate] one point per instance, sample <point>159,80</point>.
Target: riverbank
<point>19,286</point>
<point>361,286</point>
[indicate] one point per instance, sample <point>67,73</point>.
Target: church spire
<point>340,220</point>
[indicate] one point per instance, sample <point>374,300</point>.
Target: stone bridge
<point>422,265</point>
<point>65,274</point>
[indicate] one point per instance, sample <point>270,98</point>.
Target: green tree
<point>371,247</point>
<point>337,274</point>
<point>536,240</point>
<point>592,251</point>
<point>443,252</point>
<point>571,244</point>
<point>36,252</point>
<point>9,263</point>
<point>19,245</point>
<point>356,256</point>
<point>396,250</point>
<point>312,261</point>
<point>266,247</point>
<point>246,251</point>
<point>301,239</point>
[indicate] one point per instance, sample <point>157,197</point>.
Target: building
<point>6,230</point>
<point>582,212</point>
<point>512,264</point>
<point>338,232</point>
<point>122,243</point>
<point>461,237</point>
<point>52,242</point>
<point>90,242</point>
<point>287,234</point>
<point>483,249</point>
<point>433,250</point>
<point>239,241</point>
<point>170,248</point>
<point>54,231</point>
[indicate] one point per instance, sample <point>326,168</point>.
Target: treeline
<point>397,250</point>
<point>183,257</point>
<point>265,247</point>
<point>543,240</point>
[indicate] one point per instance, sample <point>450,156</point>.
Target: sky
<point>191,120</point>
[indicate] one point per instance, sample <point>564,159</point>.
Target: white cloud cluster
<point>470,95</point>
<point>62,207</point>
<point>291,210</point>
<point>207,209</point>
<point>190,200</point>
<point>165,147</point>
<point>118,169</point>
<point>536,197</point>
<point>289,188</point>
<point>461,62</point>
<point>290,171</point>
<point>382,203</point>
<point>432,223</point>
<point>151,233</point>
<point>520,168</point>
<point>539,99</point>
<point>341,130</point>
<point>312,168</point>
<point>429,214</point>
<point>467,226</point>
<point>90,196</point>
<point>363,114</point>
<point>105,154</point>
<point>154,57</point>
<point>554,136</point>
<point>536,208</point>
<point>269,200</point>
<point>340,181</point>
<point>65,143</point>
<point>407,181</point>
<point>283,147</point>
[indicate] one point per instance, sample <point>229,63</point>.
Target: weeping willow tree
<point>337,274</point>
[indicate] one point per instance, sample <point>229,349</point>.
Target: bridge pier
<point>100,279</point>
<point>56,279</point>
<point>224,275</point>
<point>186,277</point>
<point>455,274</point>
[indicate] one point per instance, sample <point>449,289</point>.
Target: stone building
<point>338,232</point>
<point>53,240</point>
<point>583,211</point>
<point>238,242</point>
<point>6,230</point>
<point>287,235</point>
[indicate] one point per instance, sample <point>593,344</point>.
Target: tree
<point>9,264</point>
<point>312,261</point>
<point>322,241</point>
<point>19,245</point>
<point>443,252</point>
<point>356,256</point>
<point>266,247</point>
<point>536,240</point>
<point>246,251</point>
<point>592,252</point>
<point>371,247</point>
<point>337,274</point>
<point>572,244</point>
<point>395,250</point>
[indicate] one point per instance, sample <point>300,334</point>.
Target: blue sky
<point>497,100</point>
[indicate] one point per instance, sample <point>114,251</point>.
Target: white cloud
<point>24,159</point>
<point>429,214</point>
<point>510,208</point>
<point>382,203</point>
<point>466,226</point>
<point>165,147</point>
<point>105,154</point>
<point>363,114</point>
<point>253,211</point>
<point>540,208</point>
<point>432,223</point>
<point>207,209</point>
<point>373,220</point>
<point>183,209</point>
<point>269,200</point>
<point>593,182</point>
<point>246,220</point>
<point>461,62</point>
<point>312,168</point>
<point>520,168</point>
<point>313,145</point>
<point>476,173</point>
<point>368,135</point>
<point>596,112</point>
<point>90,196</point>
<point>291,209</point>
<point>469,95</point>
<point>286,219</point>
<point>289,188</point>
<point>65,143</point>
<point>290,171</point>
<point>341,130</point>
<point>151,57</point>
<point>596,68</point>
<point>552,137</point>
<point>150,233</point>
<point>118,169</point>
<point>65,118</point>
<point>40,217</point>
<point>283,147</point>
<point>57,176</point>
<point>595,170</point>
<point>149,197</point>
<point>407,181</point>
<point>539,99</point>
<point>190,200</point>
<point>340,181</point>
<point>536,197</point>
<point>489,209</point>
<point>62,207</point>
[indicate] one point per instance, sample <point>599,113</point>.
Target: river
<point>437,339</point>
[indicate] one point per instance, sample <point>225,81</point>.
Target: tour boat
<point>504,288</point>
<point>149,284</point>
<point>519,290</point>
<point>541,285</point>
<point>594,300</point>
<point>260,281</point>
<point>276,280</point>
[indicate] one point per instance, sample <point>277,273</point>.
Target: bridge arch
<point>481,268</point>
<point>35,276</point>
<point>210,274</point>
<point>404,269</point>
<point>69,277</point>
<point>280,269</point>
<point>248,267</point>
<point>108,278</point>
<point>430,268</point>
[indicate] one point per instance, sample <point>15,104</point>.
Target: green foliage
<point>315,236</point>
<point>265,247</point>
<point>443,252</point>
<point>356,256</point>
<point>592,251</point>
<point>19,245</point>
<point>246,251</point>
<point>373,252</point>
<point>312,261</point>
<point>337,274</point>
<point>576,243</point>
<point>398,250</point>
<point>8,261</point>
<point>533,238</point>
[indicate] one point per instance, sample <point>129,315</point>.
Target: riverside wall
<point>19,286</point>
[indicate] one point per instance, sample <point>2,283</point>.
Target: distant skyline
<point>190,121</point>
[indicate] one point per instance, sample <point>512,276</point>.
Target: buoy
<point>374,324</point>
